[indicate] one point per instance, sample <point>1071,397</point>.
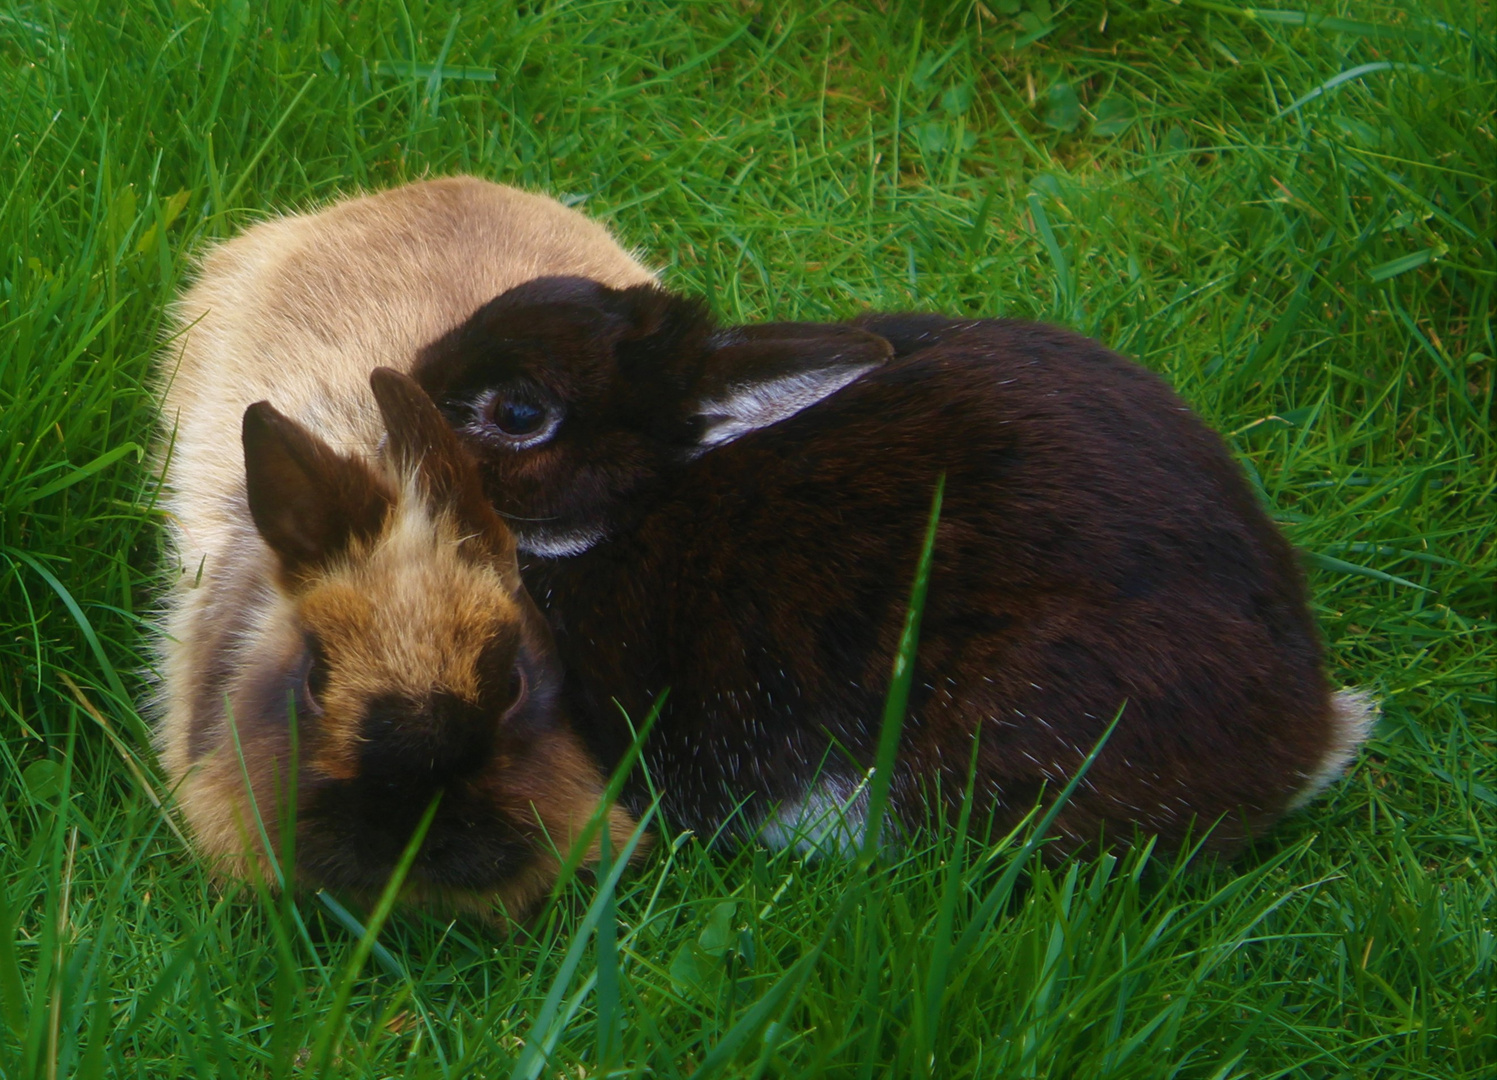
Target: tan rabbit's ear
<point>422,445</point>
<point>755,376</point>
<point>307,500</point>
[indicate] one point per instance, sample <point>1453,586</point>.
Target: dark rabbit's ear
<point>421,444</point>
<point>755,376</point>
<point>307,500</point>
<point>912,331</point>
<point>657,332</point>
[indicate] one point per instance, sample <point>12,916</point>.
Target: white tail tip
<point>1353,712</point>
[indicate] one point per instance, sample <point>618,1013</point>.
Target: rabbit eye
<point>519,417</point>
<point>519,686</point>
<point>318,674</point>
<point>519,420</point>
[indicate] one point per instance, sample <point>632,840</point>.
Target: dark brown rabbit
<point>735,514</point>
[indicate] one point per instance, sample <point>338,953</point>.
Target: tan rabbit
<point>350,606</point>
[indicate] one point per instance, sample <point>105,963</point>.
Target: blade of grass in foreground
<point>1005,886</point>
<point>111,675</point>
<point>596,824</point>
<point>899,687</point>
<point>781,997</point>
<point>332,1023</point>
<point>538,1042</point>
<point>606,951</point>
<point>350,922</point>
<point>928,1019</point>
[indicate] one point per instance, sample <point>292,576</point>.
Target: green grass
<point>1313,271</point>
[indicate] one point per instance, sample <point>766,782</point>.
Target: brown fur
<point>395,567</point>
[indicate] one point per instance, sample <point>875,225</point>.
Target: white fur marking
<point>758,405</point>
<point>831,818</point>
<point>1353,712</point>
<point>560,545</point>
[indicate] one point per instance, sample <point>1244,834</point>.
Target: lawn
<point>1288,213</point>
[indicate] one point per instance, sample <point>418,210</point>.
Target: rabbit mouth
<point>354,840</point>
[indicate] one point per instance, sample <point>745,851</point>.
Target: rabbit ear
<point>422,445</point>
<point>307,500</point>
<point>756,376</point>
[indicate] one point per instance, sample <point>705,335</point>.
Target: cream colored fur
<point>297,311</point>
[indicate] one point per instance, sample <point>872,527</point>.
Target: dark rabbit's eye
<point>520,420</point>
<point>519,417</point>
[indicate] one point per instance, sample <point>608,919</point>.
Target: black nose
<point>422,745</point>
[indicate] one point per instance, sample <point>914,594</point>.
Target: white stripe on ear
<point>752,406</point>
<point>558,545</point>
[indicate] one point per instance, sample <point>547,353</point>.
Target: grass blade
<point>111,676</point>
<point>532,1059</point>
<point>1404,263</point>
<point>1001,891</point>
<point>82,472</point>
<point>332,1024</point>
<point>1065,291</point>
<point>1345,77</point>
<point>12,996</point>
<point>407,69</point>
<point>606,949</point>
<point>597,823</point>
<point>899,686</point>
<point>265,144</point>
<point>1341,566</point>
<point>346,919</point>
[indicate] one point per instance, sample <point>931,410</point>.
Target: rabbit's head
<point>402,664</point>
<point>580,400</point>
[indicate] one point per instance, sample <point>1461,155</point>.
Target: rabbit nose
<point>437,740</point>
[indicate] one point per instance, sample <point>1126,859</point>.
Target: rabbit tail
<point>1353,713</point>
